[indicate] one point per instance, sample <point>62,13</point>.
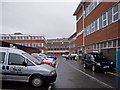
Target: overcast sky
<point>53,19</point>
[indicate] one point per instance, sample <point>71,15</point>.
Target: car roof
<point>12,49</point>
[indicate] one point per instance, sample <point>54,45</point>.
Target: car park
<point>45,61</point>
<point>52,56</point>
<point>17,65</point>
<point>96,62</point>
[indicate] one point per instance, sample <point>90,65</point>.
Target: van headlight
<point>111,63</point>
<point>98,64</point>
<point>52,72</point>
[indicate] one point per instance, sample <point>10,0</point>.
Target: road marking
<point>57,64</point>
<point>91,77</point>
<point>115,74</point>
<point>50,86</point>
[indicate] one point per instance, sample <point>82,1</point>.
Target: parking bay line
<point>57,65</point>
<point>91,77</point>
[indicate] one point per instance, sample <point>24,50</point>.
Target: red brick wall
<point>98,11</point>
<point>106,33</point>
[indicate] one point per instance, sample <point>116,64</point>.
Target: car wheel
<point>93,68</point>
<point>84,65</point>
<point>36,81</point>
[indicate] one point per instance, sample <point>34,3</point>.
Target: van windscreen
<point>32,59</point>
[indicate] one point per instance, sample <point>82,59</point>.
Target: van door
<point>15,68</point>
<point>2,64</point>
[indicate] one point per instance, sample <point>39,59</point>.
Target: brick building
<point>72,43</point>
<point>58,46</point>
<point>36,41</point>
<point>98,27</point>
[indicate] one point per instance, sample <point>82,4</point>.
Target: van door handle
<point>7,67</point>
<point>3,67</point>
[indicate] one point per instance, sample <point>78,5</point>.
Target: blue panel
<point>118,60</point>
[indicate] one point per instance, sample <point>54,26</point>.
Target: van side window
<point>15,59</point>
<point>2,57</point>
<point>29,63</point>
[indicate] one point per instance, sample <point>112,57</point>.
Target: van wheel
<point>84,65</point>
<point>93,68</point>
<point>36,81</point>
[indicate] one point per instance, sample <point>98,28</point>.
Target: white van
<point>17,65</point>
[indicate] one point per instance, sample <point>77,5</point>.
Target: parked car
<point>45,61</point>
<point>97,61</point>
<point>17,65</point>
<point>63,55</point>
<point>72,56</point>
<point>52,56</point>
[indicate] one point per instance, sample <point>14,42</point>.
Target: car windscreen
<point>32,59</point>
<point>99,57</point>
<point>39,58</point>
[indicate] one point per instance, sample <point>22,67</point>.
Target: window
<point>115,12</point>
<point>15,59</point>
<point>114,43</point>
<point>96,25</point>
<point>100,22</point>
<point>87,11</point>
<point>104,19</point>
<point>88,30</point>
<point>110,16</point>
<point>57,46</point>
<point>51,46</point>
<point>54,46</point>
<point>109,43</point>
<point>61,47</point>
<point>67,46</point>
<point>92,27</point>
<point>48,46</point>
<point>29,63</point>
<point>119,42</point>
<point>2,57</point>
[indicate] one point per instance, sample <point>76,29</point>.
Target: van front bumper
<point>50,79</point>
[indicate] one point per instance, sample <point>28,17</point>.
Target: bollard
<point>118,60</point>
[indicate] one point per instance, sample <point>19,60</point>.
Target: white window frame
<point>104,20</point>
<point>113,14</point>
<point>93,27</point>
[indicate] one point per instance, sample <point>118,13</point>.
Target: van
<point>17,65</point>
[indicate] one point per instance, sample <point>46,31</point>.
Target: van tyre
<point>93,68</point>
<point>36,81</point>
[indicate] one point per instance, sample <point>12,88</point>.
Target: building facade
<point>98,27</point>
<point>58,46</point>
<point>36,41</point>
<point>72,44</point>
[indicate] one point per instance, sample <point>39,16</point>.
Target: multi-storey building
<point>37,41</point>
<point>58,46</point>
<point>98,27</point>
<point>72,43</point>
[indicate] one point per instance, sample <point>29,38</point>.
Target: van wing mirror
<point>24,63</point>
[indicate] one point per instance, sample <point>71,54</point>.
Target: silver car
<point>17,65</point>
